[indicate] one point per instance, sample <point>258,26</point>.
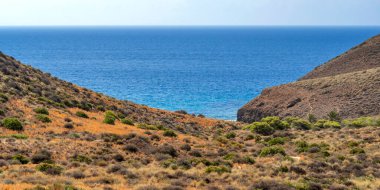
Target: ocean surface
<point>208,70</point>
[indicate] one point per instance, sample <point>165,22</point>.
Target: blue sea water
<point>208,70</point>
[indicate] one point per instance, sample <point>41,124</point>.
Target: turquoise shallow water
<point>208,70</point>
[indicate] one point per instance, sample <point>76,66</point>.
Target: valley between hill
<point>56,135</point>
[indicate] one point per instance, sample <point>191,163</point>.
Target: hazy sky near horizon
<point>190,12</point>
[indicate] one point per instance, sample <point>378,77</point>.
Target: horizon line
<point>3,26</point>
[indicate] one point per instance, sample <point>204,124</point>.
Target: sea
<point>203,70</point>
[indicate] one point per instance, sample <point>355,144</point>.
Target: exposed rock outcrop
<point>348,84</point>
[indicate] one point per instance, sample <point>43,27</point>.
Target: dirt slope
<point>348,84</point>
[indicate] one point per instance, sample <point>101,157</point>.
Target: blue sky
<point>190,12</point>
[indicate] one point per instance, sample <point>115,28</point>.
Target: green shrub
<point>43,118</point>
<point>323,123</point>
<point>276,141</point>
<point>50,169</point>
<point>19,136</point>
<point>229,156</point>
<point>169,133</point>
<point>311,118</point>
<point>81,114</point>
<point>353,144</point>
<point>262,128</point>
<point>301,124</point>
<point>21,158</point>
<point>357,150</point>
<point>147,127</point>
<point>272,150</point>
<point>218,169</point>
<point>332,124</point>
<point>334,116</point>
<point>361,122</point>
<point>2,112</point>
<point>230,135</point>
<point>320,123</point>
<point>290,119</point>
<point>275,122</point>
<point>3,98</point>
<point>127,121</point>
<point>42,156</point>
<point>302,146</point>
<point>12,124</point>
<point>109,118</point>
<point>41,111</point>
<point>81,158</point>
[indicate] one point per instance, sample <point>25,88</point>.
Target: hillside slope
<point>57,136</point>
<point>32,88</point>
<point>362,57</point>
<point>348,84</point>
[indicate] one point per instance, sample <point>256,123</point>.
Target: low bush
<point>131,148</point>
<point>357,150</point>
<point>167,149</point>
<point>195,153</point>
<point>118,157</point>
<point>77,174</point>
<point>361,122</point>
<point>21,158</point>
<point>81,158</point>
<point>321,124</point>
<point>301,124</point>
<point>262,128</point>
<point>273,150</point>
<point>169,133</point>
<point>186,147</point>
<point>334,116</point>
<point>127,121</point>
<point>43,118</point>
<point>276,122</point>
<point>50,169</point>
<point>218,169</point>
<point>230,135</point>
<point>41,156</point>
<point>302,146</point>
<point>12,124</point>
<point>81,114</point>
<point>19,136</point>
<point>147,127</point>
<point>332,124</point>
<point>276,141</point>
<point>3,98</point>
<point>41,111</point>
<point>311,118</point>
<point>109,118</point>
<point>68,126</point>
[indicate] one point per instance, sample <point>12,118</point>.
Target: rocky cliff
<point>349,84</point>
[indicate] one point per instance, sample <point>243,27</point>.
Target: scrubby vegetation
<point>12,124</point>
<point>72,145</point>
<point>81,114</point>
<point>109,118</point>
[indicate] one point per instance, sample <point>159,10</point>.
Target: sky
<point>189,12</point>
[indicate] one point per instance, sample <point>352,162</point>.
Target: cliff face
<point>348,84</point>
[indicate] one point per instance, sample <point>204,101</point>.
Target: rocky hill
<point>349,84</point>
